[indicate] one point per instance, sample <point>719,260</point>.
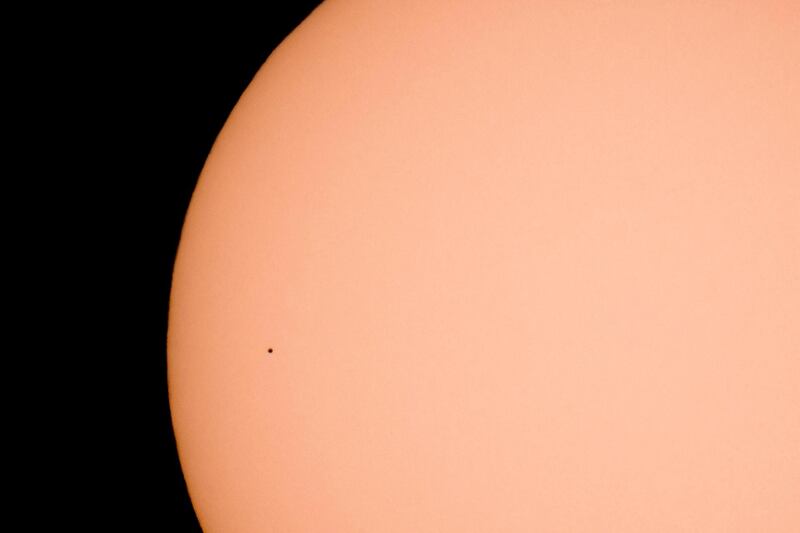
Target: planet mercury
<point>500,266</point>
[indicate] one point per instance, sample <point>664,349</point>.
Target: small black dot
<point>269,351</point>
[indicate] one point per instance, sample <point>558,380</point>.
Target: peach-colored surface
<point>524,267</point>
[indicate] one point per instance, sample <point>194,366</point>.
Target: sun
<point>500,266</point>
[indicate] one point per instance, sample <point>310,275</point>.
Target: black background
<point>164,94</point>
